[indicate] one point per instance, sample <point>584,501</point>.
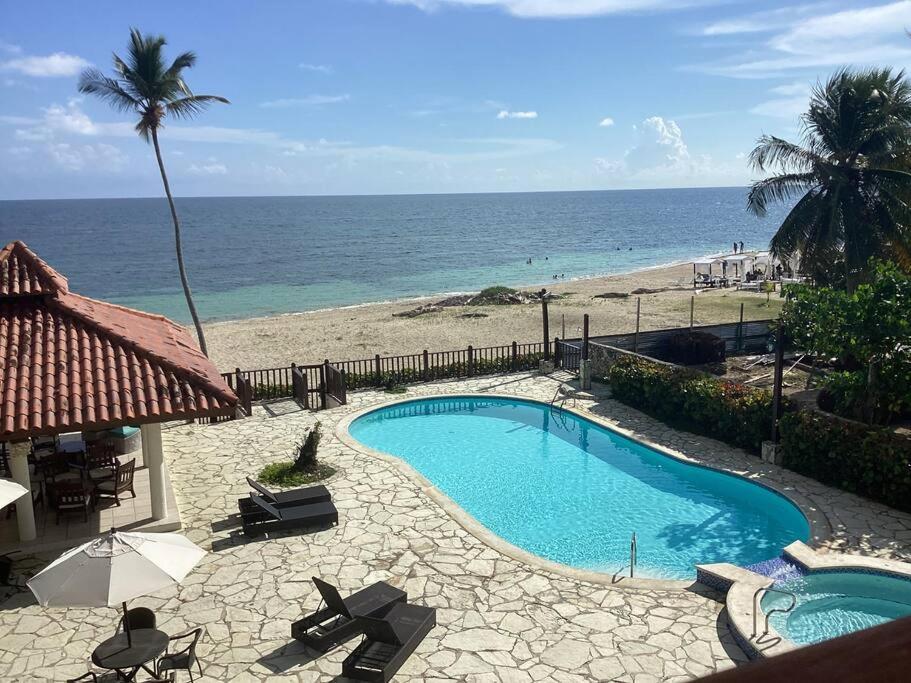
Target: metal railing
<point>757,610</point>
<point>633,555</point>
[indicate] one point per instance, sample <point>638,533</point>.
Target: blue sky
<point>401,96</point>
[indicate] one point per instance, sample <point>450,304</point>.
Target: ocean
<point>259,256</point>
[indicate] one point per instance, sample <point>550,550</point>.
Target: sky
<point>428,96</point>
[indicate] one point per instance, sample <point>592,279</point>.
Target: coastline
<point>362,330</point>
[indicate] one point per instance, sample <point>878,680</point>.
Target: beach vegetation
<point>865,335</point>
<point>848,179</point>
<point>737,414</point>
<point>306,468</point>
<point>143,84</point>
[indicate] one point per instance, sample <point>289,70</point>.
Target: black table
<point>114,653</point>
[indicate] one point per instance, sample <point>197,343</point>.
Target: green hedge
<point>871,462</point>
<point>733,413</point>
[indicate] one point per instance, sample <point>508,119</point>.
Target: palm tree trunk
<point>183,272</point>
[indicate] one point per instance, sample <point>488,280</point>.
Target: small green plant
<point>395,389</point>
<point>304,469</point>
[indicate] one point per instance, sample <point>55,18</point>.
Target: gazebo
<point>69,363</point>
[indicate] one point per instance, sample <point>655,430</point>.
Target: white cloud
<point>9,48</point>
<point>71,121</point>
<point>765,21</point>
<point>99,156</point>
<point>317,68</point>
<point>57,64</point>
<point>556,8</point>
<point>505,114</point>
<point>308,101</point>
<point>211,167</point>
<point>606,122</point>
<point>659,144</point>
<point>793,101</point>
<point>870,35</point>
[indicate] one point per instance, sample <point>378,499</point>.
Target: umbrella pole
<point>126,626</point>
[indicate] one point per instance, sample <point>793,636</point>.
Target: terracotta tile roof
<point>70,363</point>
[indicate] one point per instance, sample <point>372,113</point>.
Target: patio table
<point>115,653</point>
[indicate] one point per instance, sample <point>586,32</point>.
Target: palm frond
<point>778,189</point>
<point>93,82</point>
<point>773,151</point>
<point>188,107</point>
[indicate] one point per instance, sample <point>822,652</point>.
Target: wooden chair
<point>72,497</point>
<point>183,659</point>
<point>121,482</point>
<point>100,465</point>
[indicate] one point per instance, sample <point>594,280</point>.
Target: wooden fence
<point>314,386</point>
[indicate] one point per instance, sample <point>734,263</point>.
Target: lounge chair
<point>388,642</point>
<point>337,622</point>
<point>270,518</point>
<point>302,496</point>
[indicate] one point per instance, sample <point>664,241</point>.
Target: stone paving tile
<point>498,619</point>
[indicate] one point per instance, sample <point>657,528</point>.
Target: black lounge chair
<point>388,642</point>
<point>270,518</point>
<point>302,496</point>
<point>337,622</point>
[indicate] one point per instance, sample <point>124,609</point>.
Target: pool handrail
<point>756,607</point>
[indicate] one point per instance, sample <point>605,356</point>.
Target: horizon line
<point>373,194</point>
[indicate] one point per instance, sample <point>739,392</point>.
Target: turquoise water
<point>571,491</point>
<point>832,604</point>
<point>255,256</point>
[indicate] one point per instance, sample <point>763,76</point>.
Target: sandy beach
<point>361,332</point>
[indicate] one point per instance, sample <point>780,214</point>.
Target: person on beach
<point>741,246</point>
<point>735,247</point>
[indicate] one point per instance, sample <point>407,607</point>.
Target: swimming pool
<point>832,604</point>
<point>571,491</point>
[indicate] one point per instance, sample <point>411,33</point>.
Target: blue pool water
<point>832,604</point>
<point>571,491</point>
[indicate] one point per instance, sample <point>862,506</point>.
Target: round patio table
<point>114,653</point>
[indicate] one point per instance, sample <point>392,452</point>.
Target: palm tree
<point>143,85</point>
<point>850,174</point>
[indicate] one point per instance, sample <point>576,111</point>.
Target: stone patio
<point>499,619</point>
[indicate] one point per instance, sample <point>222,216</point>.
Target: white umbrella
<point>114,568</point>
<point>10,491</point>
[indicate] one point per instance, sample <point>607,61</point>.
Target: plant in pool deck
<point>867,332</point>
<point>144,85</point>
<point>304,469</point>
<point>850,178</point>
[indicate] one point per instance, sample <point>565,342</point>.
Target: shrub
<point>733,413</point>
<point>871,462</point>
<point>694,348</point>
<point>304,469</point>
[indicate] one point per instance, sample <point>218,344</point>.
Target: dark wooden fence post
<point>426,366</point>
<point>776,386</point>
<point>585,337</point>
<point>558,353</point>
<point>692,311</point>
<point>470,361</point>
<point>636,338</point>
<point>377,371</point>
<point>740,330</point>
<point>322,384</point>
<point>546,324</point>
<point>515,356</point>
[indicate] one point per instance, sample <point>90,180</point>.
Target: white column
<point>153,456</point>
<point>25,512</point>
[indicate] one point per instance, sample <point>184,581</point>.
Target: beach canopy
<point>114,568</point>
<point>10,491</point>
